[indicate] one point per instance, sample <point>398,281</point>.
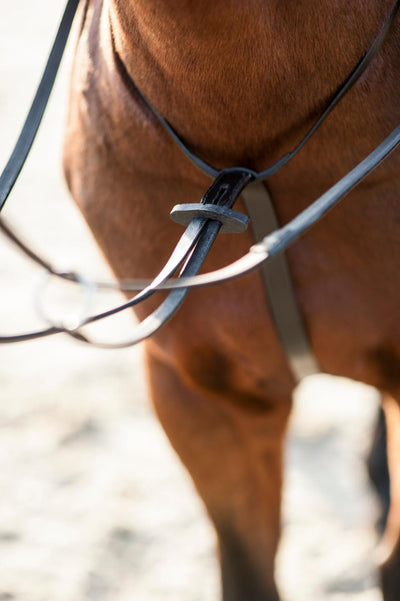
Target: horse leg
<point>232,445</point>
<point>390,546</point>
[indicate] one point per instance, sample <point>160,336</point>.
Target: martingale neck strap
<point>212,171</point>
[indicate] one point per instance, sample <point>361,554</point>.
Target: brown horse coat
<point>241,82</point>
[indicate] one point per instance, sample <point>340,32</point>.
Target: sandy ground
<point>94,504</point>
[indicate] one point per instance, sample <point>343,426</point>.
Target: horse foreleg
<point>390,546</point>
<point>232,446</point>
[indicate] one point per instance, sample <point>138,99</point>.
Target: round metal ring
<point>73,322</point>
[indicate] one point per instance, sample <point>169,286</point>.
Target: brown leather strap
<point>279,287</point>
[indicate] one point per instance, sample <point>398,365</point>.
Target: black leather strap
<point>29,130</point>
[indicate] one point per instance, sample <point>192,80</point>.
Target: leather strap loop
<point>232,222</point>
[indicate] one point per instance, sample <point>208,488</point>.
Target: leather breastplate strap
<point>279,287</point>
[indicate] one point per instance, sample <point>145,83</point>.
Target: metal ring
<point>76,320</point>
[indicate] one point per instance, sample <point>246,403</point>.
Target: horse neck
<point>210,64</point>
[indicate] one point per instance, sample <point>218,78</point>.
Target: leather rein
<point>203,220</point>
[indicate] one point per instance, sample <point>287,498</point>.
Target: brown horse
<point>241,82</point>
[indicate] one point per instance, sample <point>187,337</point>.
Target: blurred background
<point>94,505</point>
